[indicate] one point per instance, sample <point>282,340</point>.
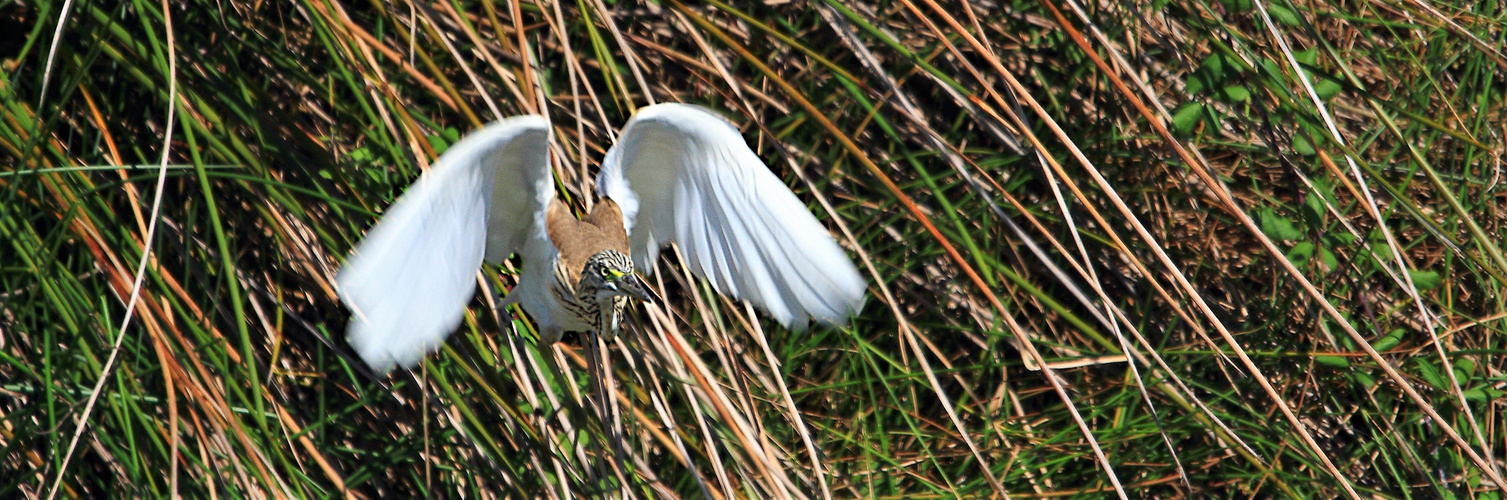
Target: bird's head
<point>609,274</point>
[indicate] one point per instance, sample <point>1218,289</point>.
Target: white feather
<point>683,174</point>
<point>408,282</point>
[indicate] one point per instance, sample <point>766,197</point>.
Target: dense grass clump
<point>1176,249</point>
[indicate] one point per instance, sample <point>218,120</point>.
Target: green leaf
<point>1338,238</point>
<point>438,143</point>
<point>1327,257</point>
<point>1309,57</point>
<point>1314,205</point>
<point>1327,88</point>
<point>1345,340</point>
<point>1301,253</point>
<point>1466,364</point>
<point>1482,394</point>
<point>1187,117</point>
<point>1464,368</point>
<point>1391,340</point>
<point>1302,146</point>
<point>1235,93</point>
<point>1196,84</point>
<point>1270,67</point>
<point>1213,66</point>
<point>1212,72</point>
<point>1425,280</point>
<point>443,140</point>
<point>1363,379</point>
<point>1333,361</point>
<point>1276,226</point>
<point>1282,15</point>
<point>1431,374</point>
<point>1236,5</point>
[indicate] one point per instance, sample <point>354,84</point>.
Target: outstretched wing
<point>683,174</point>
<point>408,282</point>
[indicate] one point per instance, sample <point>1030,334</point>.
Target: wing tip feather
<point>832,297</point>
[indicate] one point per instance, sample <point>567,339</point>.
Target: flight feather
<point>408,282</point>
<point>683,174</point>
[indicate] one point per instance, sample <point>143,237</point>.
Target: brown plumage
<point>578,240</point>
<point>592,259</point>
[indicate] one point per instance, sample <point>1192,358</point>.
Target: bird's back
<point>578,240</point>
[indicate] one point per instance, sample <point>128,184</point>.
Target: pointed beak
<point>633,285</point>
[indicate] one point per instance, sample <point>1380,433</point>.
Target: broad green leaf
<point>1430,373</point>
<point>1327,257</point>
<point>1196,84</point>
<point>1483,393</point>
<point>1315,207</point>
<point>1187,117</point>
<point>1235,93</point>
<point>443,140</point>
<point>1282,15</point>
<point>1237,5</point>
<point>1301,253</point>
<point>1309,57</point>
<point>1425,280</point>
<point>438,143</point>
<point>1302,146</point>
<point>1464,368</point>
<point>1338,238</point>
<point>1214,66</point>
<point>1327,88</point>
<point>1270,68</point>
<point>1276,226</point>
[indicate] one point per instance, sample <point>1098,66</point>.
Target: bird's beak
<point>634,286</point>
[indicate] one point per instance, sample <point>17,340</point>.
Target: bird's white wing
<point>409,280</point>
<point>683,174</point>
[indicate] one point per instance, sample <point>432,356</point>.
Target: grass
<point>1286,215</point>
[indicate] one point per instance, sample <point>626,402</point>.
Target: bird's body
<point>573,307</point>
<point>678,174</point>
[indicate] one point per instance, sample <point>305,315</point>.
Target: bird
<point>678,173</point>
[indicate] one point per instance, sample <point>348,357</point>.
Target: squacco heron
<point>679,173</point>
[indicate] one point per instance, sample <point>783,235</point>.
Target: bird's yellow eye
<point>606,272</point>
